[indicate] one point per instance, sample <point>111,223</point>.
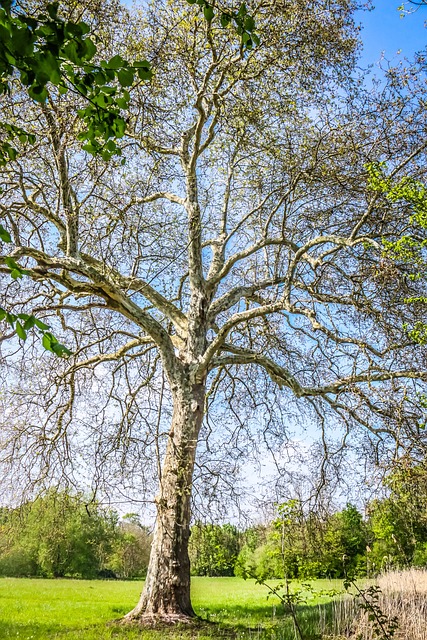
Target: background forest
<point>60,535</point>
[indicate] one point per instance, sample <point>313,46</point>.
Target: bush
<point>420,555</point>
<point>17,563</point>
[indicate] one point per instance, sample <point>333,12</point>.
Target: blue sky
<point>385,31</point>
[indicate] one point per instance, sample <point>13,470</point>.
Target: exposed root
<point>150,621</point>
<point>167,621</point>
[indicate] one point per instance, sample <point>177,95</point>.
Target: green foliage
<point>399,521</point>
<point>213,549</point>
<point>9,132</point>
<point>407,189</point>
<point>410,249</point>
<point>59,535</point>
<point>419,558</point>
<point>241,20</point>
<point>131,551</point>
<point>17,561</point>
<point>21,323</point>
<point>307,546</point>
<point>345,543</point>
<point>49,53</point>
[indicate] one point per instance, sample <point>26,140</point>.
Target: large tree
<point>241,234</point>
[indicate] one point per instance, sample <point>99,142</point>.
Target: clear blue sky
<point>384,31</point>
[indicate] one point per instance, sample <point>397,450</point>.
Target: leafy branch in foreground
<point>408,249</point>
<point>21,323</point>
<point>383,626</point>
<point>290,598</point>
<point>48,50</point>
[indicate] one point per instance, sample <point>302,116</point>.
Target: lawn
<point>80,609</point>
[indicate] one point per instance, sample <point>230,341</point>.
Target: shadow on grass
<point>241,614</point>
<point>314,620</point>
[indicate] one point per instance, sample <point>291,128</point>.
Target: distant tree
<point>251,539</point>
<point>343,547</point>
<point>57,535</point>
<point>131,548</point>
<point>399,521</point>
<point>213,549</point>
<point>301,544</point>
<point>285,549</point>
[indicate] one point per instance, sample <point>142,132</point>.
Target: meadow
<point>36,609</point>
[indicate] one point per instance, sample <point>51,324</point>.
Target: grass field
<point>79,609</point>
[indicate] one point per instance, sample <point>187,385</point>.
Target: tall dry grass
<point>403,595</point>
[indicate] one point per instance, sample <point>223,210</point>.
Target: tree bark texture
<point>166,593</point>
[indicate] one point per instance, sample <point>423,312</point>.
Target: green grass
<point>81,610</point>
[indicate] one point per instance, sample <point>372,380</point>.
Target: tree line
<point>59,535</point>
<point>334,544</point>
<point>309,547</point>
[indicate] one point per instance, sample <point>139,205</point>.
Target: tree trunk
<point>166,594</point>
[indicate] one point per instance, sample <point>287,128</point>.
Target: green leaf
<point>249,23</point>
<point>99,77</point>
<point>90,148</point>
<point>242,10</point>
<point>46,342</point>
<point>41,325</point>
<point>29,323</point>
<point>122,103</point>
<point>4,235</point>
<point>125,77</point>
<point>10,262</point>
<point>90,49</point>
<point>10,318</point>
<point>117,62</point>
<point>208,13</point>
<point>225,19</point>
<point>52,10</point>
<point>20,331</point>
<point>70,51</point>
<point>23,41</point>
<point>38,93</point>
<point>61,350</point>
<point>11,151</point>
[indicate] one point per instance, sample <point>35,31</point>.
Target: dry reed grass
<point>403,594</point>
